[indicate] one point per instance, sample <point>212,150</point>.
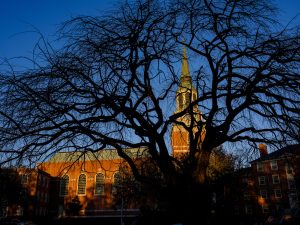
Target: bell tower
<point>185,95</point>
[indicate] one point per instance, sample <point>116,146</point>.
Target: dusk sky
<point>19,18</point>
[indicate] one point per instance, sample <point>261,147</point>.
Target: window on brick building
<point>248,209</point>
<point>288,168</point>
<point>264,194</point>
<point>247,181</point>
<point>259,167</point>
<point>64,185</point>
<point>99,184</point>
<point>274,165</point>
<point>275,179</point>
<point>180,101</point>
<point>265,208</point>
<point>24,178</point>
<point>246,196</point>
<point>277,193</point>
<point>262,180</point>
<point>117,182</point>
<point>291,182</point>
<point>81,184</point>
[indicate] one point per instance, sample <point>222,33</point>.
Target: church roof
<point>105,154</point>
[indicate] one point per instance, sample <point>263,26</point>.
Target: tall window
<point>180,101</point>
<point>99,184</point>
<point>64,185</point>
<point>264,194</point>
<point>117,182</point>
<point>24,178</point>
<point>248,209</point>
<point>274,165</point>
<point>259,166</point>
<point>261,180</point>
<point>276,179</point>
<point>265,208</point>
<point>247,196</point>
<point>187,99</point>
<point>291,182</point>
<point>81,184</point>
<point>277,193</point>
<point>288,168</point>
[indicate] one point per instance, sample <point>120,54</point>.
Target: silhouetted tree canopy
<point>113,85</point>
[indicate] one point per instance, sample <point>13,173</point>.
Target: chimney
<point>263,150</point>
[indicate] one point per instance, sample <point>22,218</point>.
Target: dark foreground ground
<point>87,221</point>
<point>285,219</point>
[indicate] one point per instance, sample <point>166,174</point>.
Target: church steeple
<point>185,95</point>
<point>186,92</point>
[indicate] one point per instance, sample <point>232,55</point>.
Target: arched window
<point>187,99</point>
<point>116,182</point>
<point>81,184</point>
<point>180,101</point>
<point>194,96</point>
<point>99,184</point>
<point>64,186</point>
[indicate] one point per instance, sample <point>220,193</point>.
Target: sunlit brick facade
<point>271,184</point>
<point>89,178</point>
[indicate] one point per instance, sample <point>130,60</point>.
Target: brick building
<point>271,184</point>
<point>88,178</point>
<point>24,192</point>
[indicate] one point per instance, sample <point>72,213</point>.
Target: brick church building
<point>90,179</point>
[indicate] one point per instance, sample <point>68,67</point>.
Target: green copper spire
<point>185,78</point>
<point>186,92</point>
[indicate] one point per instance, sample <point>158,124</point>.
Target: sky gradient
<point>21,19</point>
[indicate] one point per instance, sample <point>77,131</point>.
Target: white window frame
<point>276,179</point>
<point>247,196</point>
<point>288,168</point>
<point>262,180</point>
<point>248,209</point>
<point>264,194</point>
<point>265,208</point>
<point>259,167</point>
<point>274,165</point>
<point>291,183</point>
<point>277,193</point>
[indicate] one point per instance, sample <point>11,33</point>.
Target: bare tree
<point>113,83</point>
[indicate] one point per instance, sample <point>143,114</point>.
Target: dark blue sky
<point>19,17</point>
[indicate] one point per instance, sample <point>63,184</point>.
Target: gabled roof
<point>288,150</point>
<point>105,154</point>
